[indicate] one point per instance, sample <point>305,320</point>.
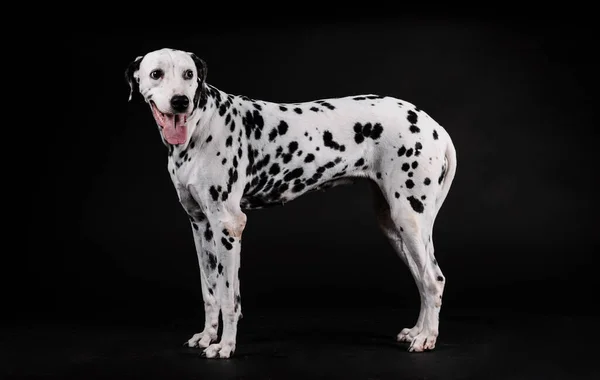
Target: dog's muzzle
<point>180,103</point>
<point>174,128</point>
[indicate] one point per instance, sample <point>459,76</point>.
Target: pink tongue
<point>175,130</point>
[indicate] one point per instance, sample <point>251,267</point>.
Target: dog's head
<point>172,83</point>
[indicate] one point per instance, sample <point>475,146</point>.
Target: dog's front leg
<point>228,228</point>
<point>207,259</point>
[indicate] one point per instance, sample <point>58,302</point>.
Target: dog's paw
<point>407,335</point>
<point>200,340</point>
<point>422,342</point>
<point>219,350</point>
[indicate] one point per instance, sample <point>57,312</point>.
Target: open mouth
<point>173,126</point>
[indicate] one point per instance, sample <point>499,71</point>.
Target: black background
<point>517,232</point>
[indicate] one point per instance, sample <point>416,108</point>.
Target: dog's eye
<point>188,74</point>
<point>156,74</point>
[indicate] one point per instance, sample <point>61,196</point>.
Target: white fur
<point>219,223</point>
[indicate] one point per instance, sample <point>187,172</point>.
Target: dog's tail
<point>448,172</point>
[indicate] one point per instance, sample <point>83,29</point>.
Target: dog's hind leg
<point>387,226</point>
<point>430,281</point>
<point>409,233</point>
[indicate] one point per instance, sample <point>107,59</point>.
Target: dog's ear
<point>200,67</point>
<point>200,96</point>
<point>130,75</point>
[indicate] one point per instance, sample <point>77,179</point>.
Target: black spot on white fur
<point>228,246</point>
<point>330,143</point>
<point>416,204</point>
<point>361,132</point>
<point>442,175</point>
<point>401,151</point>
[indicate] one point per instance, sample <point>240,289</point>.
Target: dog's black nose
<point>180,103</point>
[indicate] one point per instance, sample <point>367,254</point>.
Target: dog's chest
<point>184,177</point>
<point>184,170</point>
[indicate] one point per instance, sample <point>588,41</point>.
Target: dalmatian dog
<point>229,153</point>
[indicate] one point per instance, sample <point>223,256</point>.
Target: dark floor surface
<point>333,344</point>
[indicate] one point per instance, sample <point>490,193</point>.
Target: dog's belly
<point>273,196</point>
